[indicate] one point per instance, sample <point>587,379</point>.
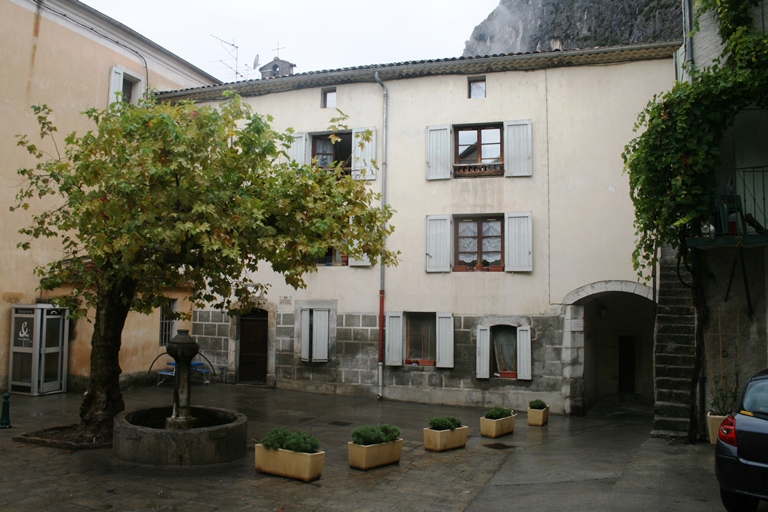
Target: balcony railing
<point>739,208</point>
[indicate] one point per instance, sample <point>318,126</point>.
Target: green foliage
<point>672,163</point>
<point>375,434</point>
<point>497,413</point>
<point>291,440</point>
<point>537,404</point>
<point>162,196</point>
<point>724,396</point>
<point>444,423</point>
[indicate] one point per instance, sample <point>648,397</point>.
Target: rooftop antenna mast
<point>234,54</point>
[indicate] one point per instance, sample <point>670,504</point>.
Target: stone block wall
<point>211,330</point>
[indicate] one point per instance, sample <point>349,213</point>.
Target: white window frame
<point>483,352</point>
<point>361,158</point>
<point>315,345</point>
<point>517,151</point>
<point>518,242</point>
<point>394,347</point>
<point>117,74</point>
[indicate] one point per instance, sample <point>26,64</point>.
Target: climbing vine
<point>672,163</point>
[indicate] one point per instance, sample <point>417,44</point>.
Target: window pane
<point>330,99</point>
<point>468,245</point>
<point>477,89</point>
<point>491,136</point>
<point>467,137</point>
<point>492,228</point>
<point>468,228</point>
<point>491,153</point>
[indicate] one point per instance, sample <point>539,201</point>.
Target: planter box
<point>497,428</point>
<point>713,425</point>
<point>442,440</point>
<point>300,466</point>
<point>538,417</point>
<point>374,455</point>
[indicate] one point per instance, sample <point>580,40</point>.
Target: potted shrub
<point>291,454</point>
<point>497,422</point>
<point>723,398</point>
<point>445,433</point>
<point>538,413</point>
<point>373,446</point>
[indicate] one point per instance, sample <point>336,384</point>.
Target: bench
<point>163,375</point>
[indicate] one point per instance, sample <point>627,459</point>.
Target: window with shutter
<point>314,335</point>
<point>479,150</point>
<point>364,153</point>
<point>444,340</point>
<point>503,351</point>
<point>128,85</point>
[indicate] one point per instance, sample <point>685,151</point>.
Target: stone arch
<point>573,354</point>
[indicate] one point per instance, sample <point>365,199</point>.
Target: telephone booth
<point>39,344</point>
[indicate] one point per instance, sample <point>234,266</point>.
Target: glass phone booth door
<point>39,344</point>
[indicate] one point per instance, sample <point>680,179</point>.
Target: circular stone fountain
<point>180,435</point>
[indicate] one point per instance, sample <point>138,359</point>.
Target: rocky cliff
<point>517,26</point>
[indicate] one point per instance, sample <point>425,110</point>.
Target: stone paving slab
<point>596,463</point>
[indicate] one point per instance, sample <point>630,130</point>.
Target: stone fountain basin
<point>140,436</point>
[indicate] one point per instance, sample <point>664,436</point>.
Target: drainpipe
<point>382,270</point>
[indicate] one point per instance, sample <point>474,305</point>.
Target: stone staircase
<point>674,353</point>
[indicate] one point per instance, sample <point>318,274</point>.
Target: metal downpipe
<point>382,270</point>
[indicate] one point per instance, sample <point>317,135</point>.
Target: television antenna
<point>233,52</point>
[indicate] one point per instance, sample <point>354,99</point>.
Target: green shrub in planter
<point>291,440</point>
<point>537,404</point>
<point>375,434</point>
<point>498,412</point>
<point>444,423</point>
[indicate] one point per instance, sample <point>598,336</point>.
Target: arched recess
<point>607,351</point>
<point>234,360</point>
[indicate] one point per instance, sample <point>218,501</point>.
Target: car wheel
<point>738,502</point>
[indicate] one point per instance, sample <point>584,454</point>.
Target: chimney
<point>278,67</point>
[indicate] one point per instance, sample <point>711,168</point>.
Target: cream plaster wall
<point>50,60</point>
<point>578,195</point>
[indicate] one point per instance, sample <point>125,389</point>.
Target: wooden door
<point>254,345</point>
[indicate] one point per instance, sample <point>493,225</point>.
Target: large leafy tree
<point>161,196</point>
<point>672,164</point>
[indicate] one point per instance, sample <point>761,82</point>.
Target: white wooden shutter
<point>305,334</point>
<point>115,83</point>
<point>363,158</point>
<point>444,340</point>
<point>483,362</point>
<point>518,242</point>
<point>320,335</point>
<point>393,350</point>
<point>439,152</point>
<point>518,148</point>
<point>438,243</point>
<point>524,352</point>
<point>298,149</point>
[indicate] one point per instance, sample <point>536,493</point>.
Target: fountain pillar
<point>182,348</point>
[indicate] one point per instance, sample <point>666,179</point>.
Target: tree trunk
<point>103,398</point>
<point>702,314</point>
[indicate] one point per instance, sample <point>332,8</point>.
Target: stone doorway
<point>254,347</point>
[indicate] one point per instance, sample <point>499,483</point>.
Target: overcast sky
<point>313,34</point>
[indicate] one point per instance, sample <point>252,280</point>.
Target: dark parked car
<point>741,454</point>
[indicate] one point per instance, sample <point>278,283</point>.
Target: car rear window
<point>756,397</point>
